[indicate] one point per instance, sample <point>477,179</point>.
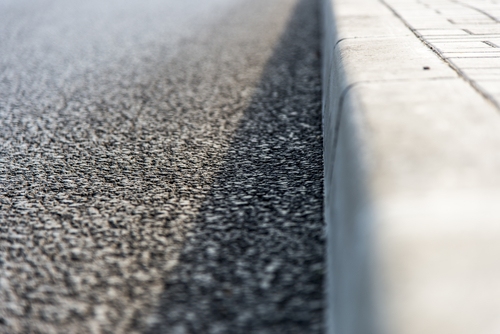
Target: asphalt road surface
<point>160,167</point>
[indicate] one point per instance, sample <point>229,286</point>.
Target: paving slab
<point>411,136</point>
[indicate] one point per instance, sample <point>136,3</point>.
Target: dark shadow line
<point>254,261</point>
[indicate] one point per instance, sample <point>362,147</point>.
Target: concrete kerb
<point>411,182</point>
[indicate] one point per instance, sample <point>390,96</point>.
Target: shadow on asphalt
<point>254,261</point>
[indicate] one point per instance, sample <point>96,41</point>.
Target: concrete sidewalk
<point>412,138</point>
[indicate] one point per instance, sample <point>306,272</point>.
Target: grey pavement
<point>160,167</point>
<point>465,34</point>
<point>412,136</point>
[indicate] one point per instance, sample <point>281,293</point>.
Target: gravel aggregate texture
<point>160,167</point>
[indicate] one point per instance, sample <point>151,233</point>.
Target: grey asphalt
<point>160,167</point>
